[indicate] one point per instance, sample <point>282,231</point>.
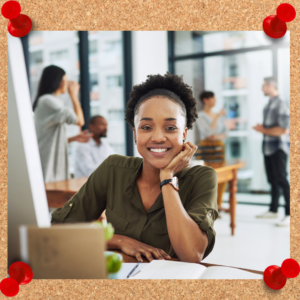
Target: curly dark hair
<point>171,82</point>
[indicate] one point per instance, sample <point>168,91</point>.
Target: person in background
<point>212,126</point>
<point>50,116</point>
<point>90,155</point>
<point>275,130</point>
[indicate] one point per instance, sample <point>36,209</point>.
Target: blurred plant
<point>113,261</point>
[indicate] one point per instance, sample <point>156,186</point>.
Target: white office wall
<point>149,56</point>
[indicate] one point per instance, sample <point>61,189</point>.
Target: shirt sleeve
<point>89,202</point>
<point>284,115</point>
<point>84,161</point>
<point>204,128</point>
<point>202,205</point>
<point>60,113</point>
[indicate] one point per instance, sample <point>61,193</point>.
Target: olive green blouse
<point>113,187</point>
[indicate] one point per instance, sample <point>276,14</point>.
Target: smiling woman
<point>151,215</point>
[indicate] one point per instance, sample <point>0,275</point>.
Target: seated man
<point>88,156</point>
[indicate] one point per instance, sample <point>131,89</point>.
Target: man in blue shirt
<point>275,128</point>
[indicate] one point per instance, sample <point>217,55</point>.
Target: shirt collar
<point>274,98</point>
<point>179,175</point>
<point>93,142</point>
<point>132,186</point>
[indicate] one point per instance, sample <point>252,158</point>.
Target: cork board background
<point>235,15</point>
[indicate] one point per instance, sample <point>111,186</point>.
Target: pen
<point>134,268</point>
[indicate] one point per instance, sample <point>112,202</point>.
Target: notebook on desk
<point>164,269</point>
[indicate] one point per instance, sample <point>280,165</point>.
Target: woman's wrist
<point>74,97</point>
<point>165,174</point>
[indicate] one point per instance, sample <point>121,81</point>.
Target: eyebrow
<point>150,119</point>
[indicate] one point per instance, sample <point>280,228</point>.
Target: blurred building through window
<point>106,96</point>
<point>61,48</point>
<point>236,78</point>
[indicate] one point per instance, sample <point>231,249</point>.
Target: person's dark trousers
<point>276,173</point>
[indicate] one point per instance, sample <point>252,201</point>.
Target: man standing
<point>275,128</point>
<point>90,155</point>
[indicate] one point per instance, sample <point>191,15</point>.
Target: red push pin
<point>19,273</point>
<point>275,277</point>
<point>19,25</point>
<point>9,287</point>
<point>275,26</point>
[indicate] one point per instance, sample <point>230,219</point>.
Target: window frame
<point>274,46</point>
<point>85,78</point>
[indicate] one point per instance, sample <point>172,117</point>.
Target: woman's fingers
<point>147,254</point>
<point>157,254</point>
<point>138,256</point>
<point>189,147</point>
<point>164,254</point>
<point>192,147</point>
<point>151,254</point>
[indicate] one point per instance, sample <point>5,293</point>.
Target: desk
<point>228,173</point>
<point>131,259</point>
<point>59,192</point>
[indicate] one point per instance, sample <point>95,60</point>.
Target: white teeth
<point>158,150</point>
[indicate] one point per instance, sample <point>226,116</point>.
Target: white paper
<point>228,273</point>
<point>164,269</point>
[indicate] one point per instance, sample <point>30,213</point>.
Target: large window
<point>59,48</point>
<point>106,96</point>
<point>233,65</point>
<point>105,67</point>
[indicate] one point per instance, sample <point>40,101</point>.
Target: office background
<point>231,64</point>
<point>107,65</point>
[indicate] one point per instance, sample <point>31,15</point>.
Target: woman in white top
<point>50,117</point>
<point>212,126</point>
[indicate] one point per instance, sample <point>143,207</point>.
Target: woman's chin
<point>159,165</point>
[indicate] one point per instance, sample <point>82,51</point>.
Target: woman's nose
<point>158,136</point>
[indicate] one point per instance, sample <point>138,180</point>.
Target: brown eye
<point>171,128</point>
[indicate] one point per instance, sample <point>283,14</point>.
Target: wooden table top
<point>73,185</point>
<point>229,167</point>
<point>131,259</point>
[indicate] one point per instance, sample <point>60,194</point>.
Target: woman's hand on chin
<point>135,248</point>
<point>179,162</point>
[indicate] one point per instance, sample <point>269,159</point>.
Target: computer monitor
<point>27,202</point>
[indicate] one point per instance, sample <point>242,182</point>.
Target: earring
<point>135,141</point>
<point>184,141</point>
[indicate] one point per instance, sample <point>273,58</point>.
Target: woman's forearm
<point>78,110</point>
<point>71,139</point>
<point>115,242</point>
<point>188,240</point>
